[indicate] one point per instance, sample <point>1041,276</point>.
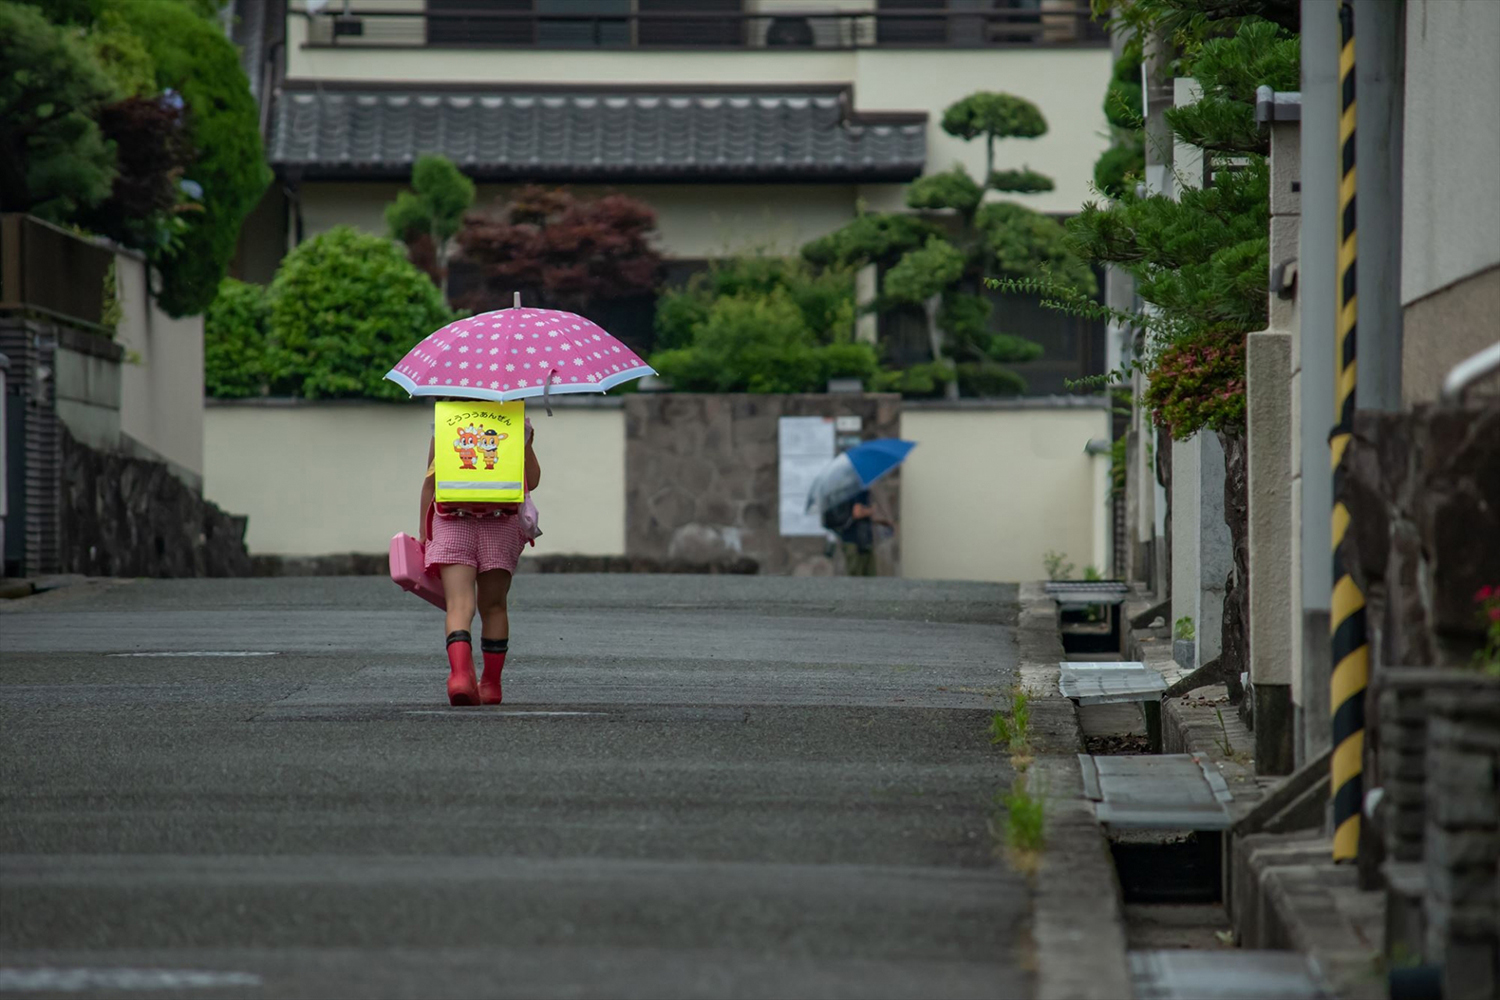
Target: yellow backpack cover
<point>479,452</point>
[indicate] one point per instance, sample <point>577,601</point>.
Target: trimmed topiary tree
<point>427,217</point>
<point>344,307</point>
<point>939,270</point>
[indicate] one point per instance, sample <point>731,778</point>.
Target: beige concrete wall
<point>988,491</point>
<point>1444,328</point>
<point>161,382</point>
<point>325,478</point>
<point>693,220</point>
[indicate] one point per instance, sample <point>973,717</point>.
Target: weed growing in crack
<point>1222,742</point>
<point>1012,730</point>
<point>1018,820</point>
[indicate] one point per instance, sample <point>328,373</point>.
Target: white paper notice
<point>805,447</point>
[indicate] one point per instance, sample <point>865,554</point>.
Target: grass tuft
<point>1018,821</point>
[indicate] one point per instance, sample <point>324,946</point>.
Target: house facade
<point>745,124</point>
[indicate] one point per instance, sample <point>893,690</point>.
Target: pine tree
<point>940,269</point>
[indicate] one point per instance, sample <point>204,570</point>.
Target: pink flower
<point>1484,593</point>
<point>1495,614</point>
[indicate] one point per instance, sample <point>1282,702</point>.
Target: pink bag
<point>409,571</point>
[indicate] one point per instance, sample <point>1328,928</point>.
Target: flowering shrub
<point>1488,600</point>
<point>1199,383</point>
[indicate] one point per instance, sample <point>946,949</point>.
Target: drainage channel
<point>1166,817</point>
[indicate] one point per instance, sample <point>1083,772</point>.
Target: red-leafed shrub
<point>153,149</point>
<point>1199,383</point>
<point>559,250</point>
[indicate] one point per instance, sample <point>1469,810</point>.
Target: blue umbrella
<point>851,473</point>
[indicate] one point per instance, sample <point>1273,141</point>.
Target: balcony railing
<point>491,24</point>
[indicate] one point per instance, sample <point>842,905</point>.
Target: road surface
<point>697,787</point>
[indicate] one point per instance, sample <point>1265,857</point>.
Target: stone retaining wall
<point>126,517</point>
<point>702,477</point>
<point>1461,854</point>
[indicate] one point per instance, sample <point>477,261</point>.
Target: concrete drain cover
<point>1156,792</point>
<point>1223,975</point>
<point>1109,683</point>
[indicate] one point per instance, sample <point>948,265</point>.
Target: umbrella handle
<point>547,389</point>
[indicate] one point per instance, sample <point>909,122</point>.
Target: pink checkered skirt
<point>485,543</point>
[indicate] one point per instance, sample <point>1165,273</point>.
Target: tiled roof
<point>593,135</point>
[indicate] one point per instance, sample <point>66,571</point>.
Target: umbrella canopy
<point>515,353</point>
<point>851,473</point>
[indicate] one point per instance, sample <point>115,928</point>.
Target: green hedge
<point>342,310</point>
<point>345,306</point>
<point>235,330</point>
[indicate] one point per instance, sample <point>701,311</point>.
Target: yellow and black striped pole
<point>1351,650</point>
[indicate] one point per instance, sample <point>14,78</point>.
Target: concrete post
<point>1271,433</point>
<point>1202,554</point>
<point>1268,414</point>
<point>1313,410</point>
<point>1215,548</point>
<point>1186,509</point>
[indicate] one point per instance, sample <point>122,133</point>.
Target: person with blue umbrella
<point>842,492</point>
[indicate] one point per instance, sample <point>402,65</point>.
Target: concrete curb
<point>1078,923</point>
<point>1281,890</point>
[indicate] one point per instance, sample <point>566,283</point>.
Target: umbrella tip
<point>516,303</point>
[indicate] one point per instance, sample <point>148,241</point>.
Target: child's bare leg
<point>494,643</point>
<point>458,593</point>
<point>494,590</point>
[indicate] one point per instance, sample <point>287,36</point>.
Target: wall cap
<point>1015,403</point>
<point>566,402</point>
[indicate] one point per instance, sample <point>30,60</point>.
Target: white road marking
<point>201,652</point>
<point>51,980</point>
<point>505,712</point>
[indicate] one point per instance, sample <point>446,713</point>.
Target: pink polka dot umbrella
<point>515,353</point>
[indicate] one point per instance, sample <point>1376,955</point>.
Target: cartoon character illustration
<point>489,444</point>
<point>466,445</point>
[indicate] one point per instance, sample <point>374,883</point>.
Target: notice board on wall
<point>805,446</point>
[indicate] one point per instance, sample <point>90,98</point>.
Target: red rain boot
<point>493,651</point>
<point>461,687</point>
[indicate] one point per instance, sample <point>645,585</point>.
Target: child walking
<point>475,548</point>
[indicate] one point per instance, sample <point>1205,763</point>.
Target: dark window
<point>582,34</point>
<point>448,25</point>
<point>892,30</point>
<point>698,22</point>
<point>1072,347</point>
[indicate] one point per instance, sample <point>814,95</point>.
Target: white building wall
<point>1450,238</point>
<point>161,404</point>
<point>1451,186</point>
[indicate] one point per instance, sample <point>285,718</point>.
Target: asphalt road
<point>697,787</point>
